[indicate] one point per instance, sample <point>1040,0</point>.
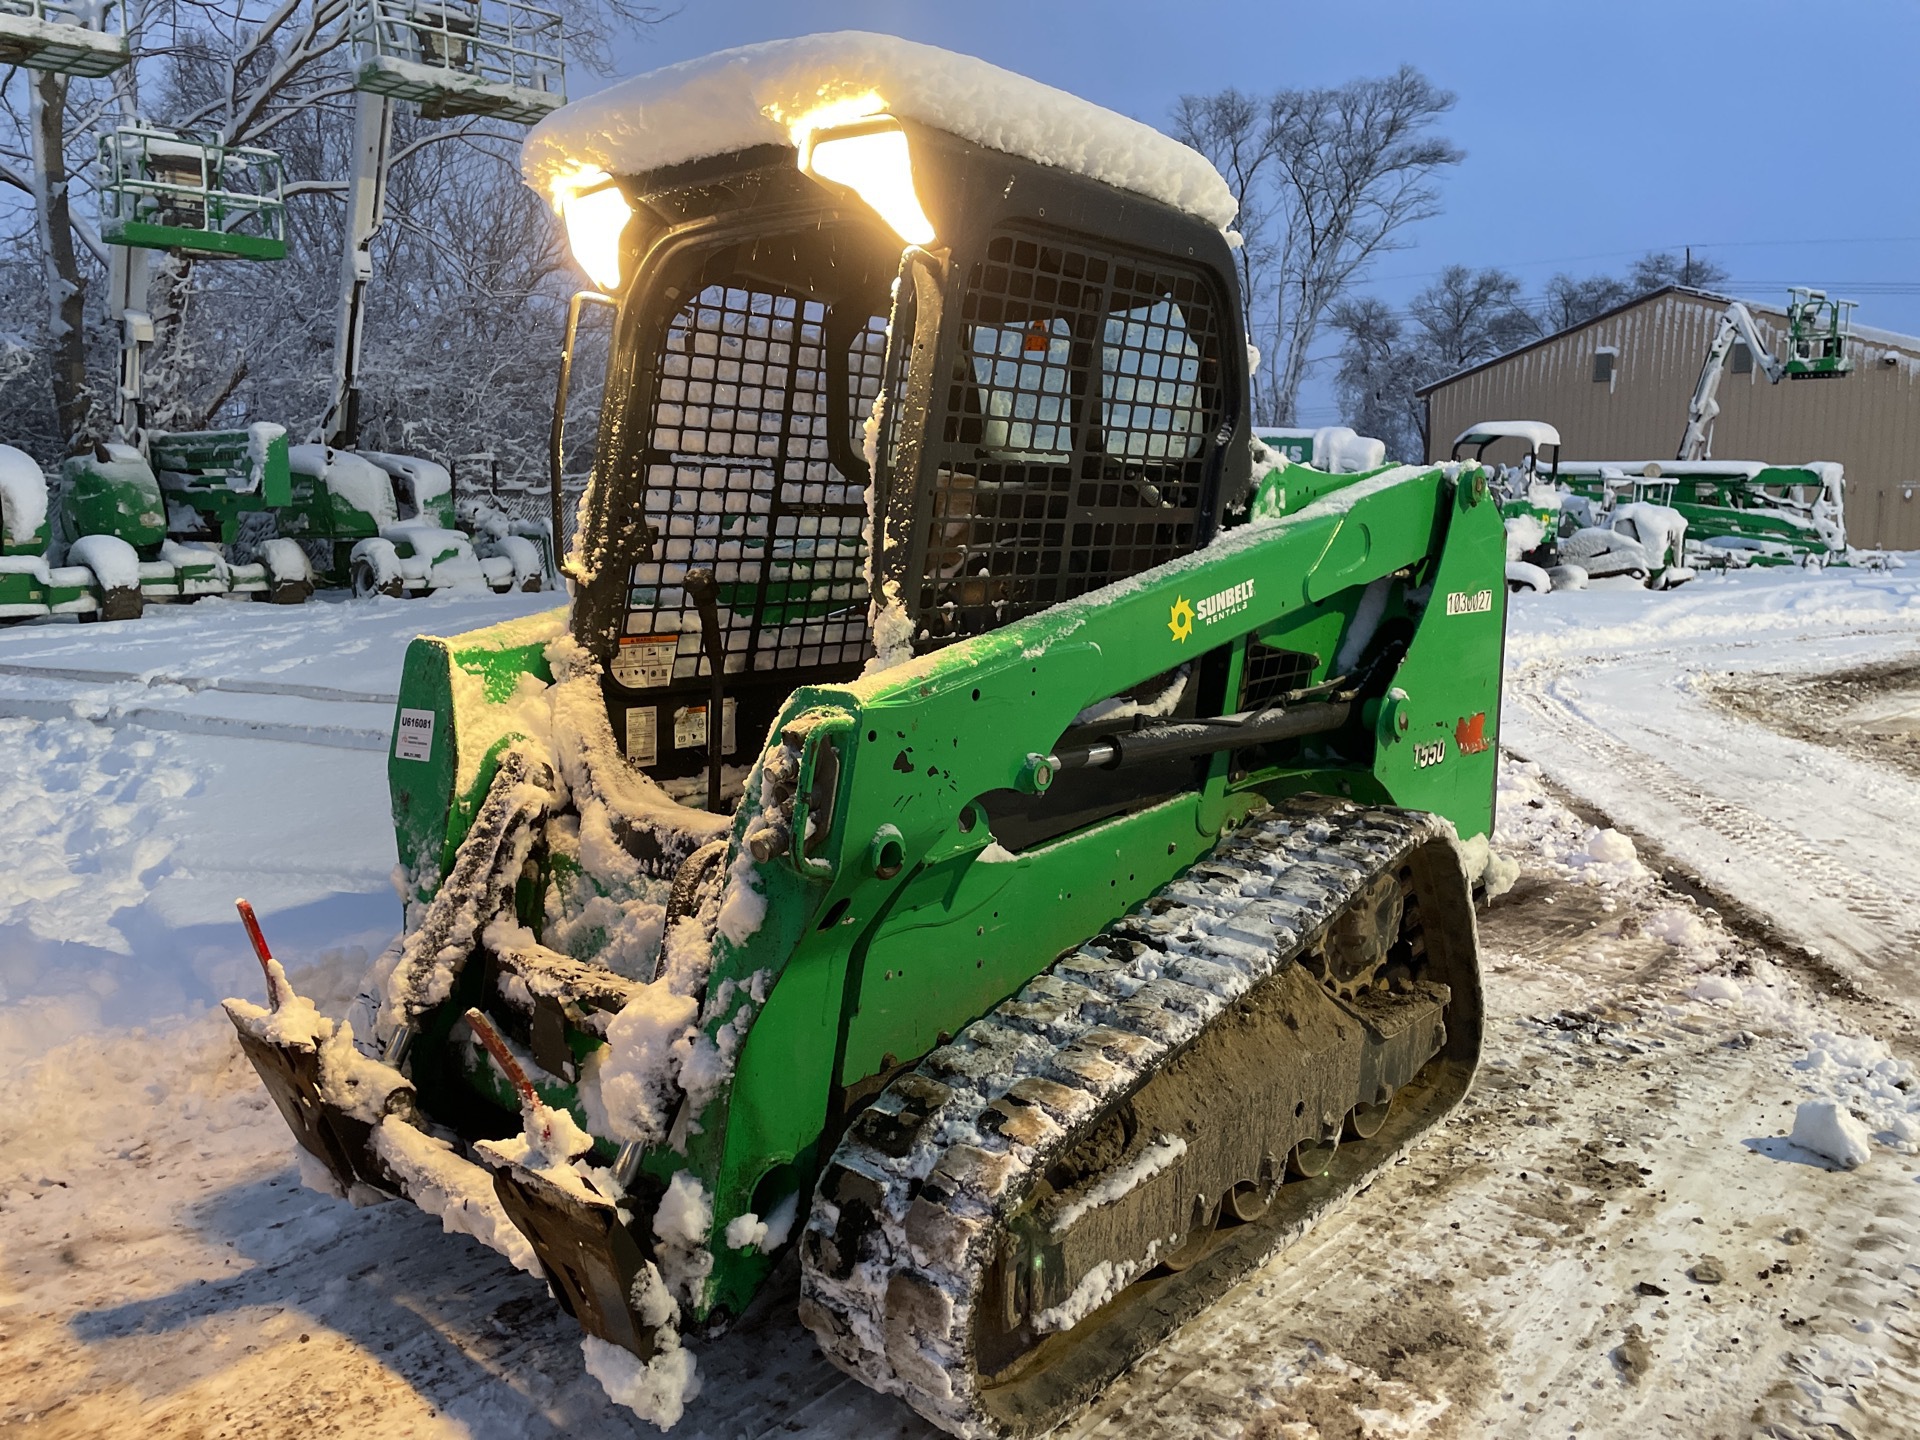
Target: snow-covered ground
<point>1624,699</point>
<point>1544,1265</point>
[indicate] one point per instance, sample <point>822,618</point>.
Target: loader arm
<point>911,919</point>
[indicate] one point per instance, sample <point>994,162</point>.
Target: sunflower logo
<point>1180,621</point>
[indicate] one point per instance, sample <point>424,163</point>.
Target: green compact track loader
<point>972,842</point>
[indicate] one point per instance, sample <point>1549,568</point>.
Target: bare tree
<point>1659,268</point>
<point>1464,317</point>
<point>1567,302</point>
<point>1329,178</point>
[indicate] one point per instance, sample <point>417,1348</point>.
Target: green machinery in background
<point>237,513</point>
<point>157,517</point>
<point>998,842</point>
<point>1738,513</point>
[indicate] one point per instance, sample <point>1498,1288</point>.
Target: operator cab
<point>1540,440</point>
<point>821,410</point>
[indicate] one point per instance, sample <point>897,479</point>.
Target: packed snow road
<point>1614,1236</point>
<point>1681,717</point>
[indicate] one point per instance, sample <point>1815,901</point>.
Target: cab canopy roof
<point>763,94</point>
<point>1536,433</point>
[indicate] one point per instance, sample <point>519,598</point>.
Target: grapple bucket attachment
<point>588,1252</point>
<point>341,1142</point>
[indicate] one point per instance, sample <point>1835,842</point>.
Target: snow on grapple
<point>1089,919</point>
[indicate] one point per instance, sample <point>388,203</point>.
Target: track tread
<point>888,1292</point>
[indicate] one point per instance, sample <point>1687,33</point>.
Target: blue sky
<point>1777,138</point>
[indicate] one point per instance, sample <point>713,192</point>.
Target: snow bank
<point>1744,604</point>
<point>1830,1131</point>
<point>23,495</point>
<point>755,95</point>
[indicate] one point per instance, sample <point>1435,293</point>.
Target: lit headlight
<point>870,158</point>
<point>596,219</point>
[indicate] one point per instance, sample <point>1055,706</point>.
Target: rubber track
<point>947,1149</point>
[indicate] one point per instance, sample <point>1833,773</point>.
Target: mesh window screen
<point>1271,672</point>
<point>740,477</point>
<point>1076,435</point>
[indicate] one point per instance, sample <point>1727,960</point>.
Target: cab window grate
<point>1271,672</point>
<point>1076,433</point>
<point>740,477</point>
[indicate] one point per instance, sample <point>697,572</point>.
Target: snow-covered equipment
<point>498,58</point>
<point>1531,502</point>
<point>1075,910</point>
<point>111,516</point>
<point>215,482</point>
<point>1738,512</point>
<point>347,511</point>
<point>165,190</point>
<point>1336,449</point>
<point>24,577</point>
<point>1818,334</point>
<point>504,518</point>
<point>69,37</point>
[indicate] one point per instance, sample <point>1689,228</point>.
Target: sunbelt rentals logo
<point>1218,606</point>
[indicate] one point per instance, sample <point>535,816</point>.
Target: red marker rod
<point>278,990</point>
<point>497,1048</point>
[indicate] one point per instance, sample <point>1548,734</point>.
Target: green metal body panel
<point>34,544</point>
<point>116,497</point>
<point>908,920</point>
<point>223,475</point>
<point>21,593</point>
<point>315,511</point>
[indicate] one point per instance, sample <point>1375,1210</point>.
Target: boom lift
<point>499,58</point>
<point>1818,332</point>
<point>150,517</point>
<point>970,826</point>
<point>66,38</point>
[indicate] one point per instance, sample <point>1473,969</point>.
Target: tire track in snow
<point>1776,868</point>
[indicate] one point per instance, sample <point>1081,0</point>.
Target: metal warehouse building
<point>1617,388</point>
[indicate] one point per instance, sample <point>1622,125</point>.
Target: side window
<point>1150,385</point>
<point>1021,372</point>
<point>1076,434</point>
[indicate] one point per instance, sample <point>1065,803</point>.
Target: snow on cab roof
<point>754,95</point>
<point>1535,432</point>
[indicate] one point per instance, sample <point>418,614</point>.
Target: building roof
<point>1761,307</point>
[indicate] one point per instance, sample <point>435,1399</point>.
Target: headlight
<point>870,158</point>
<point>596,220</point>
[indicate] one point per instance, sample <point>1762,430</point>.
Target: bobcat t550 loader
<point>973,836</point>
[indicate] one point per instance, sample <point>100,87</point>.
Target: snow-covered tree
<point>470,276</point>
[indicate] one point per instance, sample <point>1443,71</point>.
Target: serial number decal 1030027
<point>1469,602</point>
